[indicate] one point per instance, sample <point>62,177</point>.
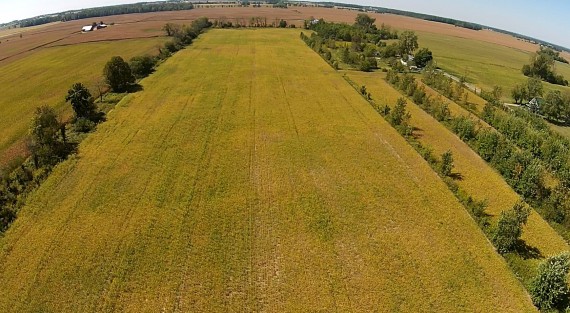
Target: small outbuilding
<point>87,28</point>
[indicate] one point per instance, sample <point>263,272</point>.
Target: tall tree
<point>118,74</point>
<point>408,42</point>
<point>554,106</point>
<point>364,21</point>
<point>534,88</point>
<point>446,165</point>
<point>44,130</point>
<point>81,101</point>
<point>423,57</point>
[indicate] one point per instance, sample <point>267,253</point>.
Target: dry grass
<point>241,181</point>
<point>478,179</point>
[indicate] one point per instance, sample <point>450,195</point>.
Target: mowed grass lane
<point>44,77</point>
<point>478,179</point>
<point>249,176</point>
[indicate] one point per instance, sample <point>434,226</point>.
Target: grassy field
<point>249,176</point>
<point>485,64</point>
<point>44,78</point>
<point>477,178</point>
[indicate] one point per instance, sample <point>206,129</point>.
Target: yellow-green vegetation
<point>249,176</point>
<point>484,64</point>
<point>476,177</point>
<point>44,77</point>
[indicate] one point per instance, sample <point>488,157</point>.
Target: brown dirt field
<point>149,24</point>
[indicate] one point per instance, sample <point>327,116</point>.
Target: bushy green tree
<point>400,118</point>
<point>45,146</point>
<point>534,88</point>
<point>549,288</point>
<point>519,93</point>
<point>408,42</point>
<point>364,21</point>
<point>464,127</point>
<point>142,66</point>
<point>423,57</point>
<point>118,74</point>
<point>509,227</point>
<point>81,101</point>
<point>554,107</point>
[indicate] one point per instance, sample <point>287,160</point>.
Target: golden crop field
<point>249,176</point>
<point>44,77</point>
<point>478,179</point>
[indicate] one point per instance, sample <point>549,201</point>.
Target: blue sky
<point>547,19</point>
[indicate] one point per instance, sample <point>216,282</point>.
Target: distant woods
<point>52,140</point>
<point>107,11</point>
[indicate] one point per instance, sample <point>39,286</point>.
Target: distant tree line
<point>143,7</point>
<point>255,21</point>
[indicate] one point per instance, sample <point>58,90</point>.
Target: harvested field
<point>44,78</point>
<point>240,181</point>
<point>149,24</point>
<point>477,178</point>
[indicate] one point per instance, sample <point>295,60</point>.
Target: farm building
<point>535,104</point>
<point>93,27</point>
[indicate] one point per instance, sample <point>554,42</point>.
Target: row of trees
<point>182,35</point>
<point>520,169</point>
<point>52,140</point>
<point>549,288</point>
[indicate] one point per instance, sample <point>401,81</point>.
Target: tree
<point>519,93</point>
<point>171,29</point>
<point>422,57</point>
<point>509,227</point>
<point>554,106</point>
<point>549,288</point>
<point>282,23</point>
<point>81,101</point>
<point>142,66</point>
<point>487,142</point>
<point>446,165</point>
<point>399,118</point>
<point>364,21</point>
<point>118,74</point>
<point>497,92</point>
<point>534,88</point>
<point>408,42</point>
<point>44,131</point>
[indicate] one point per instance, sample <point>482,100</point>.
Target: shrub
<point>549,288</point>
<point>142,66</point>
<point>83,125</point>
